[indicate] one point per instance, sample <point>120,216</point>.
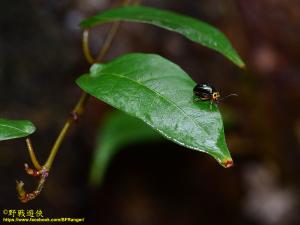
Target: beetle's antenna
<point>226,97</point>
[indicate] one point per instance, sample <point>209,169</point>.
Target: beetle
<point>207,92</point>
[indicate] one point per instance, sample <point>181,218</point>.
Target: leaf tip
<point>227,163</point>
<point>238,61</point>
<point>242,65</point>
<point>83,24</point>
<point>31,128</point>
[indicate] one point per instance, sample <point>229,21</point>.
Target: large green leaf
<point>160,93</point>
<point>10,129</point>
<point>118,131</point>
<point>191,28</point>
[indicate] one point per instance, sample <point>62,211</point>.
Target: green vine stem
<point>108,41</point>
<point>85,47</point>
<point>43,171</point>
<point>33,158</point>
<point>75,114</point>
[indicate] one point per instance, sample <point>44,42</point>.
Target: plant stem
<point>33,158</point>
<point>78,109</point>
<point>76,113</point>
<point>108,41</point>
<point>43,171</point>
<point>85,47</point>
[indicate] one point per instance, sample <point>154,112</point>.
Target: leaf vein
<point>161,96</point>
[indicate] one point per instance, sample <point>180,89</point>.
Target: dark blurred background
<point>159,183</point>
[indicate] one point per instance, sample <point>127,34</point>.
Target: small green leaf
<point>10,129</point>
<point>191,28</point>
<point>118,130</point>
<point>160,93</point>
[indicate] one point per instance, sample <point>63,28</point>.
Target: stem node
<point>43,171</point>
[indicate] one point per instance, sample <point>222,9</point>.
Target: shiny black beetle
<point>206,92</point>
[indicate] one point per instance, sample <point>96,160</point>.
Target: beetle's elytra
<point>206,92</point>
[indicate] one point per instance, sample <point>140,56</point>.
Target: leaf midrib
<point>168,19</point>
<point>14,128</point>
<point>142,18</point>
<point>155,92</point>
